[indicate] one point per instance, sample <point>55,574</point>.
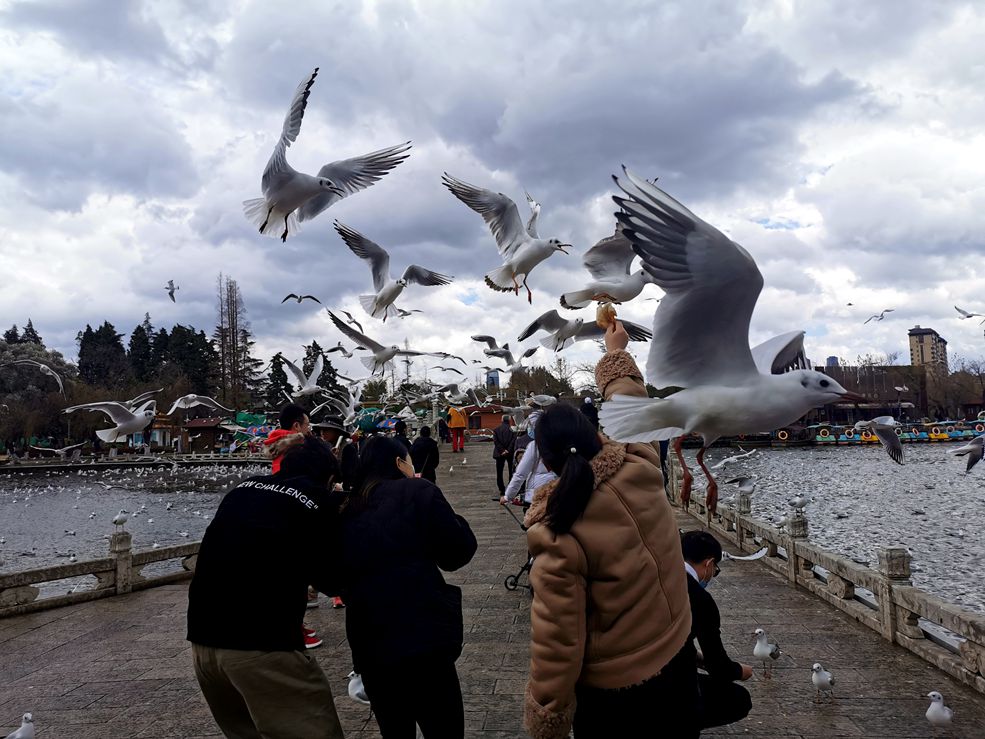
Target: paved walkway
<point>120,667</point>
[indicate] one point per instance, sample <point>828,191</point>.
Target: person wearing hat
<point>530,472</point>
<point>591,412</point>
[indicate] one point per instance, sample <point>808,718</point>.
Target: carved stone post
<point>745,503</point>
<point>797,526</point>
<point>894,570</point>
<point>796,530</point>
<point>120,550</point>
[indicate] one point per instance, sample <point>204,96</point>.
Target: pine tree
<point>102,358</point>
<point>194,355</point>
<point>237,369</point>
<point>277,383</point>
<point>159,350</point>
<point>139,353</point>
<point>12,335</point>
<point>30,336</point>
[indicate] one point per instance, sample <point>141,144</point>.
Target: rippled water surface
<point>862,501</point>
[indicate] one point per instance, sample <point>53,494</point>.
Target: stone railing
<point>120,572</point>
<point>884,599</point>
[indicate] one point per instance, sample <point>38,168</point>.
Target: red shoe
<point>310,642</point>
<point>308,633</point>
<point>337,602</point>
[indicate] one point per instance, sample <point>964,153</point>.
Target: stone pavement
<point>120,667</point>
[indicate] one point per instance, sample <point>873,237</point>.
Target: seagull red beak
<point>854,397</point>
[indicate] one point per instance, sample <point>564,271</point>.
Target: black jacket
<point>348,464</point>
<point>504,440</point>
<point>424,453</point>
<point>591,413</point>
<point>267,543</point>
<point>706,627</point>
<point>398,605</point>
<point>403,440</point>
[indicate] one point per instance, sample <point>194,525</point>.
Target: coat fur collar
<point>604,465</point>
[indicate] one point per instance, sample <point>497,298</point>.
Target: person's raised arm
<point>617,373</point>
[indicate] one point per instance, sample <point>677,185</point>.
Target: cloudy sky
<point>840,142</point>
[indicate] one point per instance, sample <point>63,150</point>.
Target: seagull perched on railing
<point>701,338</point>
<point>287,191</point>
<point>520,250</point>
<point>381,303</point>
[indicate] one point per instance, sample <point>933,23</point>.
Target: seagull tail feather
<point>631,419</point>
<point>369,363</point>
<point>577,299</point>
<point>256,211</point>
<point>107,435</point>
<point>367,302</point>
<point>501,279</point>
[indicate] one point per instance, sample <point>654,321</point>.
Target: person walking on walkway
<point>610,607</point>
<point>457,422</point>
<point>443,433</point>
<point>266,543</point>
<point>400,433</point>
<point>424,453</point>
<point>721,701</point>
<point>403,621</point>
<point>504,443</point>
<point>590,411</point>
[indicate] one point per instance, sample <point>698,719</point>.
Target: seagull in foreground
<point>381,354</point>
<point>733,458</point>
<point>824,682</point>
<point>503,352</point>
<point>127,421</point>
<point>701,339</point>
<point>766,652</point>
<point>60,452</point>
<point>520,251</point>
<point>299,298</point>
<point>974,450</point>
<point>966,314</point>
<point>357,690</point>
<point>349,319</point>
<point>565,332</point>
<point>191,400</point>
<point>878,316</point>
<point>938,714</point>
<point>43,369</point>
<point>381,303</point>
<point>884,427</point>
<point>171,287</point>
<point>308,385</point>
<point>747,557</point>
<point>609,263</point>
<point>286,191</point>
<point>26,730</point>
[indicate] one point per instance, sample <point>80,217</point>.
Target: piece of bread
<point>605,315</point>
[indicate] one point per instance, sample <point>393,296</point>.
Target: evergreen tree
<point>12,335</point>
<point>237,369</point>
<point>30,336</point>
<point>277,383</point>
<point>139,354</point>
<point>194,355</point>
<point>159,350</point>
<point>102,358</point>
<point>538,380</point>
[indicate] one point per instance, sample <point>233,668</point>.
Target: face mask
<point>530,432</point>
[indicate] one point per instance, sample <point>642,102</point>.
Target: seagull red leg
<point>685,472</point>
<point>711,498</point>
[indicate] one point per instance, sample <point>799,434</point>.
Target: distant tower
<point>492,380</point>
<point>831,362</point>
<point>927,347</point>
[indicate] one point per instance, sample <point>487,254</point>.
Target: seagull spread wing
<point>296,371</point>
<point>451,387</point>
<point>316,370</point>
<point>593,331</point>
<point>117,412</point>
<point>358,338</point>
<point>370,251</point>
<point>489,340</point>
<point>781,354</point>
<point>277,167</point>
<point>701,328</point>
<point>353,175</point>
<point>534,213</point>
<point>497,210</point>
<point>610,258</point>
<point>894,447</point>
<point>421,276</point>
<point>549,321</point>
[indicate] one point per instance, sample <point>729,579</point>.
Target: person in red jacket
<point>294,426</point>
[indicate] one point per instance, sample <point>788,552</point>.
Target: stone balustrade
<point>120,572</point>
<point>884,599</point>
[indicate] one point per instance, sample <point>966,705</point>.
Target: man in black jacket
<point>721,700</point>
<point>424,454</point>
<point>246,602</point>
<point>504,441</point>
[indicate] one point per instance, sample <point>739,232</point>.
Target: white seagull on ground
<point>609,263</point>
<point>127,421</point>
<point>565,332</point>
<point>884,427</point>
<point>380,354</point>
<point>824,682</point>
<point>766,652</point>
<point>974,450</point>
<point>191,400</point>
<point>701,338</point>
<point>26,730</point>
<point>520,251</point>
<point>381,303</point>
<point>938,714</point>
<point>285,190</point>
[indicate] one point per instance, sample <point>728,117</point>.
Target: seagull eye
<point>824,383</point>
<point>803,383</point>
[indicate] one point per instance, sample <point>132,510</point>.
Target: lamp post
<point>899,404</point>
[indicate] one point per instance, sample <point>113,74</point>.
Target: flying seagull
<point>286,191</point>
<point>974,450</point>
<point>127,421</point>
<point>503,352</point>
<point>454,394</point>
<point>609,263</point>
<point>307,385</point>
<point>404,313</point>
<point>448,369</point>
<point>43,369</point>
<point>141,399</point>
<point>192,400</point>
<point>299,298</point>
<point>388,289</point>
<point>171,287</point>
<point>565,332</point>
<point>966,314</point>
<point>884,427</point>
<point>349,319</point>
<point>878,316</point>
<point>60,452</point>
<point>701,338</point>
<point>380,354</point>
<point>520,251</point>
<point>339,348</point>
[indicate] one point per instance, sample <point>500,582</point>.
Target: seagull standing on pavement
<point>884,427</point>
<point>878,316</point>
<point>26,730</point>
<point>824,682</point>
<point>381,303</point>
<point>938,714</point>
<point>765,651</point>
<point>519,250</point>
<point>290,197</point>
<point>974,450</point>
<point>701,339</point>
<point>171,287</point>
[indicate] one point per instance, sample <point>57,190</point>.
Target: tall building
<point>927,347</point>
<point>831,362</point>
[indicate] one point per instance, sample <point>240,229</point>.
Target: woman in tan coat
<point>610,606</point>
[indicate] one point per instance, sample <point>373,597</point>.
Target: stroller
<point>512,582</point>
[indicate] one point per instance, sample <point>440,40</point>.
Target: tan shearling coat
<point>610,605</point>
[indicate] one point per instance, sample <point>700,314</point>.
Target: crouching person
<point>266,543</point>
